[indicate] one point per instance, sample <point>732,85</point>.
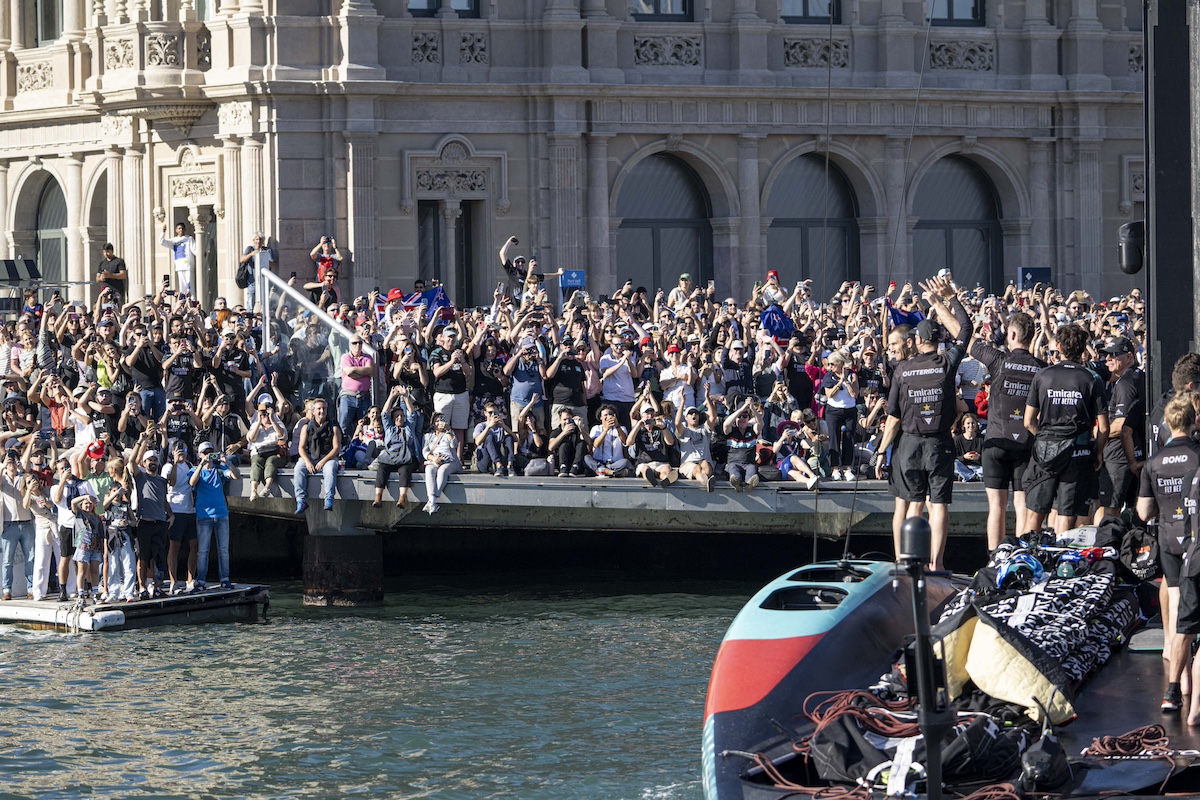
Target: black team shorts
<point>1004,468</point>
<point>924,466</point>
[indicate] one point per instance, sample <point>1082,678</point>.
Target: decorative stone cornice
<point>816,52</point>
<point>667,51</point>
<point>180,115</point>
<point>970,56</point>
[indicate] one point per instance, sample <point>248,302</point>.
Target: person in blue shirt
<point>209,479</point>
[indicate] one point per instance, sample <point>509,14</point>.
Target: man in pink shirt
<point>358,369</point>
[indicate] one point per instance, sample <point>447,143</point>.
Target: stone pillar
<point>252,185</point>
<point>343,570</point>
<point>361,218</point>
<point>564,202</point>
<point>898,40</point>
<point>73,17</point>
<point>17,22</point>
<point>749,45</point>
<point>1083,48</point>
<point>446,10</point>
<point>76,270</point>
<point>138,242</point>
<point>1041,252</point>
<point>5,252</point>
<point>725,259</point>
<point>358,28</point>
<point>599,265</point>
<point>895,267</point>
<point>6,38</point>
<point>206,286</point>
<point>114,201</point>
<point>1089,215</point>
<point>451,211</point>
<point>234,235</point>
<point>601,33</point>
<point>562,44</point>
<point>750,261</point>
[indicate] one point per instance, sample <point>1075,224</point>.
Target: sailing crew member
<point>1126,448</point>
<point>1064,402</point>
<point>923,404</point>
<point>1007,447</point>
<point>1162,495</point>
<point>183,256</point>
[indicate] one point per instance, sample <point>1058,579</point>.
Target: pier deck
<point>247,602</point>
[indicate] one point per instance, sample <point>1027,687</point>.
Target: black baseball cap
<point>928,331</point>
<point>1118,346</point>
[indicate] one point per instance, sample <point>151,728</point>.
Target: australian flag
<point>898,317</point>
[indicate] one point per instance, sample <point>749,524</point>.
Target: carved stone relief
<point>970,56</point>
<point>234,116</point>
<point>453,153</point>
<point>1137,58</point>
<point>114,127</point>
<point>455,171</point>
<point>203,48</point>
<point>162,50</point>
<point>119,54</point>
<point>667,51</point>
<point>816,52</point>
<point>195,189</point>
<point>473,48</point>
<point>453,182</point>
<point>427,47</point>
<point>1133,182</point>
<point>32,77</point>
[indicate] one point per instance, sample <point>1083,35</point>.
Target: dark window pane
<point>804,189</point>
<point>955,189</point>
<point>929,252</point>
<point>661,9</point>
<point>971,257</point>
<point>429,228</point>
<point>827,257</point>
<point>785,245</point>
<point>660,187</point>
<point>679,251</point>
<point>964,9</point>
<point>635,256</point>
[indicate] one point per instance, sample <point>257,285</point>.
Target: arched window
<point>958,225</point>
<point>813,231</point>
<point>665,226</point>
<point>51,240</point>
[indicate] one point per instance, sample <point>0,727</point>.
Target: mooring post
<point>343,565</point>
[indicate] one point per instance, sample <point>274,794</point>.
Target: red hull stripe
<point>746,670</point>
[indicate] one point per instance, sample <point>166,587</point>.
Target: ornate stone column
<point>451,211</point>
<point>73,17</point>
<point>361,221</point>
<point>16,27</point>
<point>750,258</point>
<point>446,10</point>
<point>5,35</point>
<point>1089,214</point>
<point>76,270</point>
<point>231,162</point>
<point>5,252</point>
<point>599,261</point>
<point>896,267</point>
<point>252,185</point>
<point>115,199</point>
<point>207,286</point>
<point>138,242</point>
<point>564,200</point>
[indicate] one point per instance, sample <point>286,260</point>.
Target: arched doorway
<point>958,226</point>
<point>50,242</point>
<point>665,229</point>
<point>814,232</point>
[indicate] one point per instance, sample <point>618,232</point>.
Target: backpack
<point>242,276</point>
<point>1139,552</point>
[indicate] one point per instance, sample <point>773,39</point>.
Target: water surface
<point>458,688</point>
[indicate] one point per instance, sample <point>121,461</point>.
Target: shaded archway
<point>665,228</point>
<point>814,228</point>
<point>50,242</point>
<point>958,215</point>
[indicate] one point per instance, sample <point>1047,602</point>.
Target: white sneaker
<point>812,482</point>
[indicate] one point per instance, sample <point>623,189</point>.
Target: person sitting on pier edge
<point>651,438</point>
<point>320,442</point>
<point>267,439</point>
<point>792,449</point>
<point>494,443</point>
<point>211,480</point>
<point>608,458</point>
<point>741,429</point>
<point>694,433</point>
<point>567,444</point>
<point>968,449</point>
<point>533,454</point>
<point>441,460</point>
<point>400,449</point>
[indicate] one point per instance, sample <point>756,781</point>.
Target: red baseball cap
<point>395,294</point>
<point>95,450</point>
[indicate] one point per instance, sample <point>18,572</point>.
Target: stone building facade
<point>867,139</point>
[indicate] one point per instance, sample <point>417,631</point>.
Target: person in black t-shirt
<point>182,369</point>
<point>1185,376</point>
<point>652,438</point>
<point>1064,402</point>
<point>144,361</point>
<point>968,450</point>
<point>923,403</point>
<point>566,376</point>
<point>1126,448</point>
<point>1008,444</point>
<point>111,273</point>
<point>1163,490</point>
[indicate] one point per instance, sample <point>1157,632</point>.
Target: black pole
<point>934,718</point>
<point>1172,307</point>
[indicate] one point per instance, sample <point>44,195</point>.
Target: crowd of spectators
<point>123,421</point>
